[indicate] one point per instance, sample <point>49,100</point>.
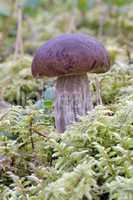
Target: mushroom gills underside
<point>73,99</point>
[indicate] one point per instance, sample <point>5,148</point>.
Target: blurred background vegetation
<point>110,20</point>
<point>27,24</point>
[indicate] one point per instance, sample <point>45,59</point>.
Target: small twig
<point>4,115</point>
<point>98,92</point>
<point>30,130</point>
<point>102,20</point>
<point>45,135</point>
<point>72,26</point>
<point>23,144</point>
<point>19,40</point>
<point>128,54</point>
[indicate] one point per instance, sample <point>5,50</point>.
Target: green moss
<point>20,87</point>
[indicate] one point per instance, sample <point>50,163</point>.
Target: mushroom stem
<point>73,99</point>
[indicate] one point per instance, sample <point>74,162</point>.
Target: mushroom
<point>69,57</point>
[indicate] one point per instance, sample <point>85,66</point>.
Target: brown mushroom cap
<point>70,54</point>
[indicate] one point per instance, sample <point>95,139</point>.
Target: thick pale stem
<point>73,99</point>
